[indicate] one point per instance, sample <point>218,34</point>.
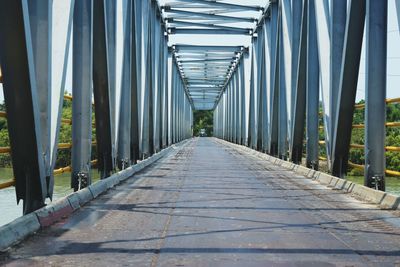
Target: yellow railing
<point>388,101</point>
<point>360,146</point>
<point>7,184</point>
<point>7,150</point>
<point>55,172</point>
<point>387,148</point>
<point>387,124</point>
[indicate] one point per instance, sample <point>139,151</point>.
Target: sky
<point>393,57</point>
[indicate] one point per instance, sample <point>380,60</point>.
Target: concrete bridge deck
<point>212,205</point>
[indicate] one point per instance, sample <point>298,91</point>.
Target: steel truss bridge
<point>136,70</point>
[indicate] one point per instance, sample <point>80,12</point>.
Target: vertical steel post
<point>145,77</point>
<point>151,69</point>
<point>283,81</point>
<point>375,94</point>
<point>60,54</point>
<point>275,69</point>
<point>22,104</point>
<point>243,97</point>
<point>172,112</point>
<point>110,11</point>
<point>140,20</point>
<point>266,84</point>
<point>40,16</point>
<point>322,18</point>
<point>348,87</point>
<point>237,106</point>
<point>285,78</point>
<point>82,92</point>
<point>337,30</point>
<point>157,65</point>
<point>252,125</point>
<point>124,135</point>
<point>299,108</point>
<point>101,91</point>
<point>312,129</point>
<point>135,85</point>
<point>260,91</point>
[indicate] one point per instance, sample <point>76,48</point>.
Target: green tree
<point>203,119</point>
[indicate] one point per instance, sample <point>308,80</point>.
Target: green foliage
<point>203,119</point>
<point>357,137</point>
<point>65,136</point>
<point>392,138</point>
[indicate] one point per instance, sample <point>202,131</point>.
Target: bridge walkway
<point>211,205</point>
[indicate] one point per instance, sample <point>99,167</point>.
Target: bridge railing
<point>61,146</point>
<point>354,146</point>
<point>141,104</point>
<point>303,59</point>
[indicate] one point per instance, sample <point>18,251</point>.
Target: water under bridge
<point>278,76</point>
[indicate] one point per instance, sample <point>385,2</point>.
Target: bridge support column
<point>40,16</point>
<point>274,111</point>
<point>243,100</point>
<point>101,90</point>
<point>124,137</point>
<point>251,128</point>
<point>135,71</point>
<point>111,32</point>
<point>82,92</point>
<point>283,83</point>
<point>21,99</point>
<point>348,87</point>
<point>312,125</point>
<point>299,94</point>
<point>375,94</point>
<point>337,31</point>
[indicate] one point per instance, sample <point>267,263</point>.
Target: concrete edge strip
<point>24,226</point>
<point>383,199</point>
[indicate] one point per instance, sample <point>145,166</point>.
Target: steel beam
<point>299,107</point>
<point>124,136</point>
<point>324,44</point>
<point>210,31</point>
<point>266,85</point>
<point>275,43</point>
<point>284,66</point>
<point>337,30</point>
<point>259,77</point>
<point>146,80</point>
<point>40,15</point>
<point>150,88</point>
<point>375,93</point>
<point>135,76</point>
<point>82,92</point>
<point>213,4</point>
<point>22,104</point>
<point>243,98</point>
<point>101,92</point>
<point>209,16</point>
<point>252,124</point>
<point>348,87</point>
<point>313,81</point>
<point>110,18</point>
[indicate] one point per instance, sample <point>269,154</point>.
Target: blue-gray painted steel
<point>375,93</point>
<point>22,104</point>
<point>348,87</point>
<point>101,92</point>
<point>313,81</point>
<point>299,94</point>
<point>82,92</point>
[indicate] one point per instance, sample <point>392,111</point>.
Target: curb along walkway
<point>213,205</point>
